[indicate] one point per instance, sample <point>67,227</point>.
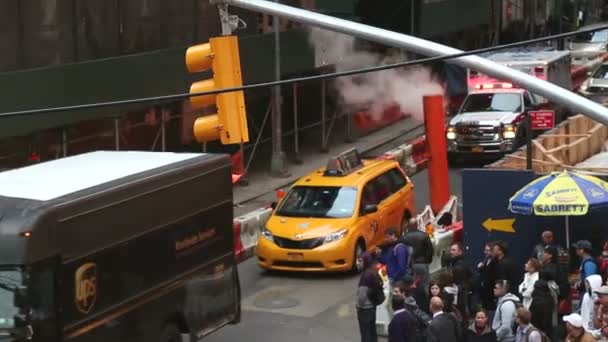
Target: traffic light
<point>229,124</point>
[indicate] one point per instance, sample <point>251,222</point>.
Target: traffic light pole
<point>229,24</point>
<point>550,91</point>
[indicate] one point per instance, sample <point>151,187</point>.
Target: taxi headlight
<point>508,132</point>
<point>451,134</point>
<point>267,234</point>
<point>335,236</point>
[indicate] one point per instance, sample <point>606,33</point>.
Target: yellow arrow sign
<point>504,225</point>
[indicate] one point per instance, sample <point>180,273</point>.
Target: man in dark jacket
<point>487,278</point>
<point>423,252</point>
<point>443,327</point>
<point>552,271</point>
<point>543,308</point>
<point>402,327</point>
<point>420,242</point>
<point>463,275</point>
<point>505,268</point>
<point>369,294</point>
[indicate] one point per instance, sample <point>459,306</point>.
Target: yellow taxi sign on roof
<point>344,163</point>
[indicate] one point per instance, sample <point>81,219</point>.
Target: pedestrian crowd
<point>495,300</point>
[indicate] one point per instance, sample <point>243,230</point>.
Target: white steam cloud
<point>374,91</point>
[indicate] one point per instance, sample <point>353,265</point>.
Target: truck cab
<point>490,120</point>
<point>119,246</point>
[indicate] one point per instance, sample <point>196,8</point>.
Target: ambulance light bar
<point>494,86</point>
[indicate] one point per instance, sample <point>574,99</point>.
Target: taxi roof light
<point>344,163</point>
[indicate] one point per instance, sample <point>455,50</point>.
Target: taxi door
<point>390,202</point>
<point>369,224</point>
<point>403,195</point>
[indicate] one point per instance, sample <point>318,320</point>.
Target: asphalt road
<point>304,307</point>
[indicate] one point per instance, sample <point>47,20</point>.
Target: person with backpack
<point>588,265</point>
<point>395,255</point>
<point>403,288</point>
<point>506,307</point>
<point>421,256</point>
<point>370,293</point>
<point>527,332</point>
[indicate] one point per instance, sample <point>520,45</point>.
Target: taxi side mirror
<point>369,208</point>
<point>273,205</point>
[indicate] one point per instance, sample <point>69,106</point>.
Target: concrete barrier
<point>411,156</point>
<point>247,229</point>
<point>384,312</point>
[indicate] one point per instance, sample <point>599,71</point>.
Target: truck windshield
<point>492,102</point>
<point>319,201</point>
<point>10,278</point>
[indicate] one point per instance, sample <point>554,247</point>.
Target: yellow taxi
<point>329,218</point>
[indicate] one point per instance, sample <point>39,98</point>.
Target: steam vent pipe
<point>436,147</point>
<point>575,103</point>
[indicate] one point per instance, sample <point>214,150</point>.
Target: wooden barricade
<point>568,144</point>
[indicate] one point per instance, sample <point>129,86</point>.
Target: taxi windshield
<point>10,278</point>
<point>319,201</point>
<point>492,102</point>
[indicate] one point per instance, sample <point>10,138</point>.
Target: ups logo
<point>85,287</point>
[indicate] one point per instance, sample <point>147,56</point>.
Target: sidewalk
<point>261,187</point>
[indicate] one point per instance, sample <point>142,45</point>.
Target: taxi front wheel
<point>358,257</point>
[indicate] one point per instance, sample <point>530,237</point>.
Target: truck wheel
<point>171,333</point>
<point>358,257</point>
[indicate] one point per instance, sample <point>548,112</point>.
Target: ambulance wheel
<point>358,257</point>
